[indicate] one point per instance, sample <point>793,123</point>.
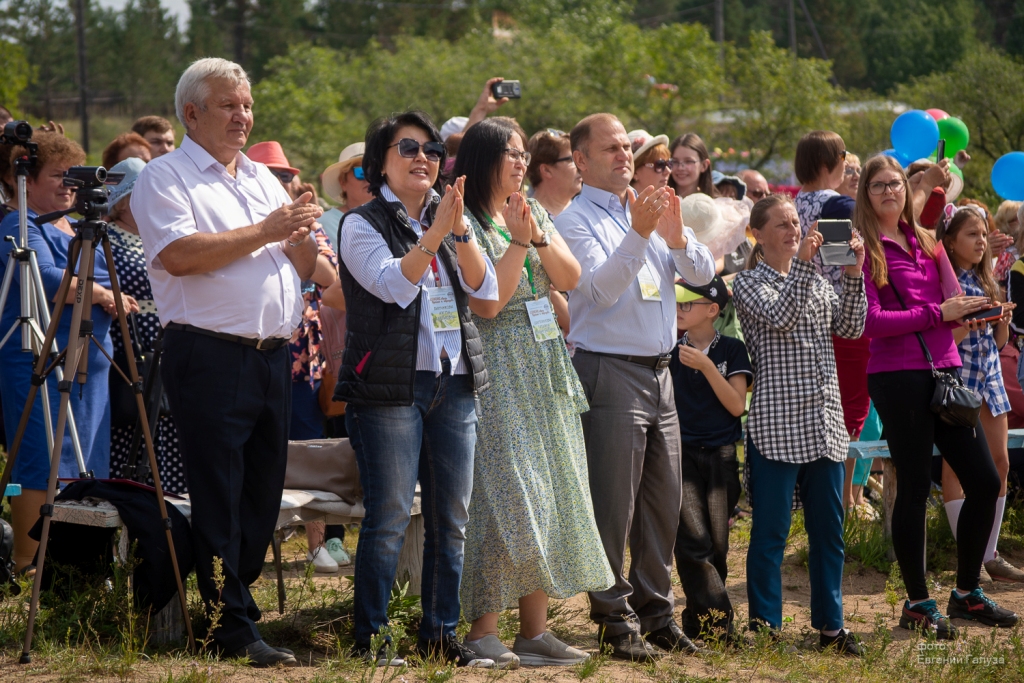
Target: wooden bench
<point>860,450</point>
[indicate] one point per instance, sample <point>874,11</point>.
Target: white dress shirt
<point>607,310</point>
<point>369,260</point>
<point>188,191</point>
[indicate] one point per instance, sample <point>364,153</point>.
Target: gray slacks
<point>633,451</point>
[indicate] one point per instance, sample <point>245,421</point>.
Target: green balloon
<point>954,132</point>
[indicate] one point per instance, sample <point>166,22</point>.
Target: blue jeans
<point>432,440</point>
<point>821,490</point>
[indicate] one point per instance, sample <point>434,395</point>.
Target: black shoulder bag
<point>953,402</point>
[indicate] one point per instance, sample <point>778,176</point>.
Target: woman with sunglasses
<point>907,313</point>
<point>411,374</point>
<point>552,174</point>
<point>532,533</point>
<point>652,163</point>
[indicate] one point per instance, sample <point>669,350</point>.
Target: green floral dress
<point>531,520</point>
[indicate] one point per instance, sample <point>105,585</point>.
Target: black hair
<point>480,158</point>
<point>379,137</point>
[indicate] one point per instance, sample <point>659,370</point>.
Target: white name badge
<point>650,286</point>
<point>542,319</point>
<point>444,313</point>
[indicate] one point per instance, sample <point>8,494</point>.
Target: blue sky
<point>178,8</point>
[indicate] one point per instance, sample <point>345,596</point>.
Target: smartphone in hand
<point>988,315</point>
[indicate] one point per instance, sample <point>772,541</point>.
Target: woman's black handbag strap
<point>920,337</point>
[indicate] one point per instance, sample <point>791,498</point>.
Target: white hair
<point>193,87</point>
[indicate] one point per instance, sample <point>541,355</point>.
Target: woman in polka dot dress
<point>130,265</point>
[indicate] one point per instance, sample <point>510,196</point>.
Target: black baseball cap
<point>714,291</point>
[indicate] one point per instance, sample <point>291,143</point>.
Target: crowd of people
<point>564,341</point>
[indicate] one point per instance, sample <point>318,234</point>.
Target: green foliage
<point>984,89</point>
<point>865,542</point>
<point>778,98</point>
<point>17,73</point>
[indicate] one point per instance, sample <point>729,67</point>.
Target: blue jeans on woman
<point>431,441</point>
<point>821,489</point>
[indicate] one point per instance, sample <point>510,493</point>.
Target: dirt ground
<point>892,652</point>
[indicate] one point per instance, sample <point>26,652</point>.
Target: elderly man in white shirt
<point>623,329</point>
<point>226,251</point>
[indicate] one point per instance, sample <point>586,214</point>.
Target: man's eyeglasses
<point>410,149</point>
<point>661,165</point>
<point>879,188</point>
<point>358,173</point>
<point>515,155</point>
<point>687,305</point>
<point>756,195</point>
<point>284,176</point>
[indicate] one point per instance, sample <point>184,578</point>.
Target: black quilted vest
<point>379,362</point>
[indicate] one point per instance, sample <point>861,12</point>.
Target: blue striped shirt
<point>607,311</point>
<point>369,260</point>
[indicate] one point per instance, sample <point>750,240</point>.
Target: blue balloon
<point>1008,176</point>
<point>914,135</point>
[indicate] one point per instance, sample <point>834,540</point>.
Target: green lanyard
<point>526,262</point>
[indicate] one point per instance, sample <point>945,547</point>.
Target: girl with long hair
<point>691,166</point>
<point>907,313</point>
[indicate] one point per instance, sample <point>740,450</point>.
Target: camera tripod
<point>34,309</point>
<point>90,233</point>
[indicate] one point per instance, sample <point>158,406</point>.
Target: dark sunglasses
<point>357,173</point>
<point>284,176</point>
<point>410,149</point>
<point>661,165</point>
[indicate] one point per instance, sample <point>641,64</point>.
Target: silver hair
<point>193,87</point>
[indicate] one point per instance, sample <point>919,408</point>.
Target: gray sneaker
<point>548,651</point>
<point>489,647</point>
<point>1001,570</point>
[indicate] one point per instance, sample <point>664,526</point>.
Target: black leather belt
<point>268,344</point>
<point>653,362</point>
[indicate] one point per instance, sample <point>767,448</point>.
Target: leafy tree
<point>17,74</point>
<point>777,98</point>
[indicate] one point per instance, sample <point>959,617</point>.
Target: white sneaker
<point>322,561</point>
<point>548,651</point>
<point>490,648</point>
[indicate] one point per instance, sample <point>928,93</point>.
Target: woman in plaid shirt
<point>966,242</point>
<point>796,434</point>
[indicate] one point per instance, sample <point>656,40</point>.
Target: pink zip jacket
<point>894,346</point>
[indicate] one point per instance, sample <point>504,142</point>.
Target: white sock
<point>831,634</point>
<point>538,637</point>
<point>953,513</point>
<point>474,642</point>
<point>961,594</point>
<point>993,538</point>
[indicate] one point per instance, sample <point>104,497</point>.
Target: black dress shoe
<point>262,655</point>
<point>843,642</point>
<point>628,646</point>
<point>282,649</point>
<point>670,637</point>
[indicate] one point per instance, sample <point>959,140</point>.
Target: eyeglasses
<point>516,155</point>
<point>757,194</point>
<point>284,176</point>
<point>410,149</point>
<point>879,188</point>
<point>842,155</point>
<point>561,159</point>
<point>852,171</point>
<point>687,305</point>
<point>358,173</point>
<point>661,165</point>
<point>686,162</point>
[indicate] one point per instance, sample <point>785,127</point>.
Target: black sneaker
<point>926,615</point>
<point>381,658</point>
<point>844,643</point>
<point>979,607</point>
<point>671,638</point>
<point>451,650</point>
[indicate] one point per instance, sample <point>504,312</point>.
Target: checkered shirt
<point>788,322</point>
<point>982,372</point>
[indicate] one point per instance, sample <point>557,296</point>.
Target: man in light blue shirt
<point>623,326</point>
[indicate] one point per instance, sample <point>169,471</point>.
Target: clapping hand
<point>998,242</point>
<point>646,210</point>
<point>292,221</point>
<point>448,216</point>
<point>670,226</point>
<point>519,219</point>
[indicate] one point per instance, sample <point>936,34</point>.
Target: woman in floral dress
<point>531,533</point>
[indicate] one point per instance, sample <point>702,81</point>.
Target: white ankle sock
<point>831,634</point>
<point>993,538</point>
<point>474,642</point>
<point>538,637</point>
<point>953,513</point>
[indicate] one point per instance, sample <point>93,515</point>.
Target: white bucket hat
<point>719,224</point>
<point>330,179</point>
<point>642,141</point>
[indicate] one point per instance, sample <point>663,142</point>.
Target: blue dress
<point>90,403</point>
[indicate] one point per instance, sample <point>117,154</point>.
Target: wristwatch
<point>468,237</point>
<point>544,241</point>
